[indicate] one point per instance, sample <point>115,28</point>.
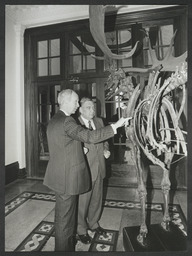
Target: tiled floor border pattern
<point>37,239</point>
<point>175,210</point>
<point>104,243</point>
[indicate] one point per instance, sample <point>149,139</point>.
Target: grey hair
<point>64,95</point>
<point>84,99</point>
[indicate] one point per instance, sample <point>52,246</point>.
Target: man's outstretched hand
<point>122,122</point>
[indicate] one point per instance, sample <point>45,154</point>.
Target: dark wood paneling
<point>11,172</point>
<point>22,173</point>
<point>100,97</point>
<point>30,109</point>
<point>147,15</point>
<point>137,35</point>
<point>180,42</point>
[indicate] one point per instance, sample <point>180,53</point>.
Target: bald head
<point>68,101</point>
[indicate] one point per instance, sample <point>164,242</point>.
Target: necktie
<point>90,126</point>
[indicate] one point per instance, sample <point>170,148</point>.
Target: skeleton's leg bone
<point>165,185</point>
<point>142,195</point>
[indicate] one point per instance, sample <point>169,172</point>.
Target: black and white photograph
<point>95,128</point>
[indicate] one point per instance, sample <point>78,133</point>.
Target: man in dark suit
<point>90,203</point>
<point>67,173</point>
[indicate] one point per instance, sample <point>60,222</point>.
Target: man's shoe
<point>99,230</point>
<point>85,239</point>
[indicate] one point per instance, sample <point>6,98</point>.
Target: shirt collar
<point>86,122</point>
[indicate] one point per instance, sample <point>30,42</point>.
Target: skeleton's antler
<point>169,63</point>
<point>96,21</point>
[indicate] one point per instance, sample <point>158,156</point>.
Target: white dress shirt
<point>86,122</point>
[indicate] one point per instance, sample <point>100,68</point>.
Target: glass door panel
<point>47,107</point>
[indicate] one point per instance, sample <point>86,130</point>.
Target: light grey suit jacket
<point>95,156</point>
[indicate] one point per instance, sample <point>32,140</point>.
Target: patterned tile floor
<point>30,214</point>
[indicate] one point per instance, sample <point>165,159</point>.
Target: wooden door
<point>46,108</point>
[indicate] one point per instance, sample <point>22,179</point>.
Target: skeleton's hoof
<point>165,225</point>
<point>141,238</point>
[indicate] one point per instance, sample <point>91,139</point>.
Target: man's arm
<point>77,132</point>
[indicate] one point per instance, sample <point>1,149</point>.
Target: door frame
<point>179,15</point>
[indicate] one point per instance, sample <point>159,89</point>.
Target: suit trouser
<point>90,205</point>
<point>65,222</point>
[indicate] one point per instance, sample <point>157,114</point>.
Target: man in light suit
<point>90,203</point>
<point>67,173</point>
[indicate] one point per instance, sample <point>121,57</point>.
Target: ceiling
<point>39,15</point>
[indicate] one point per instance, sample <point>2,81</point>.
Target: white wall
<point>14,100</point>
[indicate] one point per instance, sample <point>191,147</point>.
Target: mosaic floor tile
<point>95,247</point>
<point>104,243</point>
<point>14,204</point>
<point>34,242</point>
<point>35,227</point>
<point>43,196</point>
<point>109,238</point>
<point>131,205</point>
<point>80,247</point>
<point>17,201</point>
<point>22,221</point>
<point>38,237</point>
<point>46,228</point>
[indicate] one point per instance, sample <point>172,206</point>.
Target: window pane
<point>75,64</point>
<point>42,49</point>
<point>75,49</point>
<point>42,67</point>
<point>55,66</point>
<point>55,47</point>
<point>166,33</point>
<point>54,91</point>
<point>146,41</point>
<point>125,62</point>
<point>44,106</point>
<point>94,90</point>
<point>88,63</point>
<point>163,52</point>
<point>124,39</point>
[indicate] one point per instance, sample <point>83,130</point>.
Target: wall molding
<point>43,15</point>
<point>12,172</point>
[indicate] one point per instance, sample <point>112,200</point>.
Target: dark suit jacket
<point>67,172</point>
<point>95,156</point>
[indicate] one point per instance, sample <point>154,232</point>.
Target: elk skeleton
<point>154,128</point>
